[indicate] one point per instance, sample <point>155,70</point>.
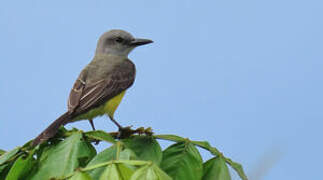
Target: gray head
<point>118,42</point>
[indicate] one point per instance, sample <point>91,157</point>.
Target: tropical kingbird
<point>101,85</point>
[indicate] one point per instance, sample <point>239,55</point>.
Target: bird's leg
<point>115,122</point>
<point>92,124</point>
<point>93,128</point>
<point>124,132</point>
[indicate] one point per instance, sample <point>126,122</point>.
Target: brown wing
<point>84,97</point>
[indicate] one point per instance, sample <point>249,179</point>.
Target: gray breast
<point>101,67</point>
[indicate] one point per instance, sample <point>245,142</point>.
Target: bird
<point>101,85</point>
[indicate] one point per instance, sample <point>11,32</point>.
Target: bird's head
<point>118,42</point>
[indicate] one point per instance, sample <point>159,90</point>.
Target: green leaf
<point>206,145</point>
<point>145,147</point>
<point>237,167</point>
<point>203,144</point>
<point>100,135</point>
<point>216,169</point>
<point>127,154</point>
<point>182,161</point>
<point>150,172</point>
<point>8,155</point>
<point>60,160</point>
<point>117,172</point>
<point>133,162</point>
<point>104,156</point>
<point>4,169</point>
<point>2,152</point>
<point>79,175</point>
<point>110,172</point>
<point>21,167</point>
<point>170,137</point>
<point>126,171</point>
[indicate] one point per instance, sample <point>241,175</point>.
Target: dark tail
<point>52,129</point>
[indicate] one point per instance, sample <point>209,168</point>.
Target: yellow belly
<point>107,108</point>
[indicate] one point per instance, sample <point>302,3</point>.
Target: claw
<point>140,130</point>
<point>125,132</point>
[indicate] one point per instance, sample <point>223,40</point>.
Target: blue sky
<point>244,75</point>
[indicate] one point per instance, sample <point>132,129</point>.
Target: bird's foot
<point>126,132</point>
<point>148,131</point>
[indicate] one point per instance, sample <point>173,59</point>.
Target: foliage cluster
<point>70,155</point>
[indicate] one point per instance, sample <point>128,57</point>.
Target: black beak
<point>139,42</point>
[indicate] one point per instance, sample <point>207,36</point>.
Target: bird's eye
<point>119,40</point>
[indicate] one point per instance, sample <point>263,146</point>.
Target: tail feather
<point>52,129</point>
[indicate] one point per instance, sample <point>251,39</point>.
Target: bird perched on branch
<point>102,84</point>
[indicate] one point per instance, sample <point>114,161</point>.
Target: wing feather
<point>84,97</point>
